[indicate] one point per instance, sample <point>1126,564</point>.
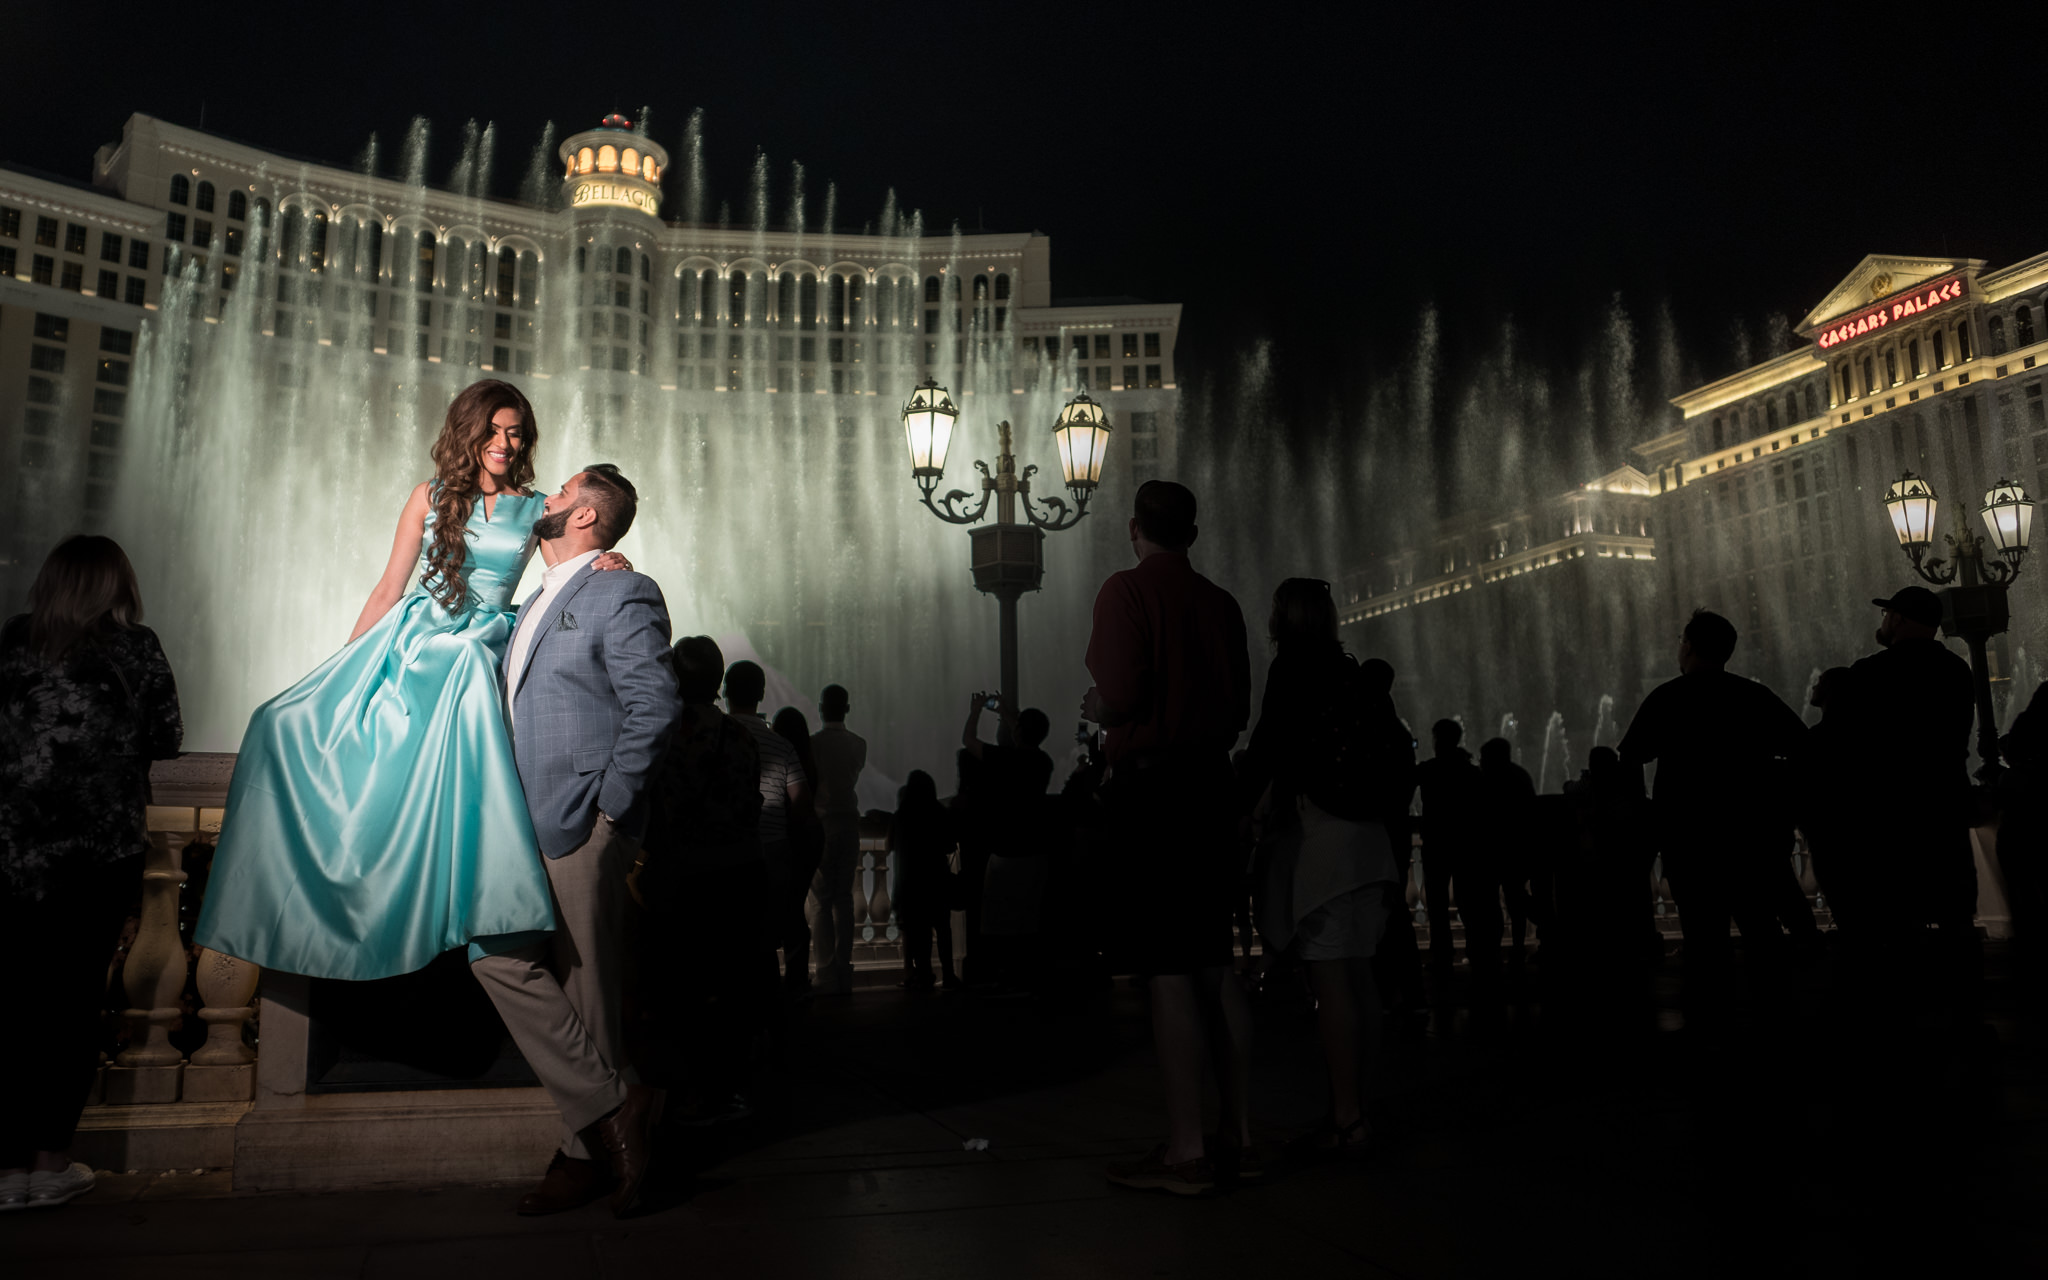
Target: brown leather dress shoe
<point>627,1136</point>
<point>570,1184</point>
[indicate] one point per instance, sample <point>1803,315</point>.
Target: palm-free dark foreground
<point>1545,1126</point>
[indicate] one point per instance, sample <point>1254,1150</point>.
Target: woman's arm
<point>163,724</point>
<point>405,554</point>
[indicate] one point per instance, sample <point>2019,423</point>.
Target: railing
<point>158,965</point>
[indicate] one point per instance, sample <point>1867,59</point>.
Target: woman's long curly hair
<point>458,468</point>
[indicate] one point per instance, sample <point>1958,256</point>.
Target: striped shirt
<point>779,768</point>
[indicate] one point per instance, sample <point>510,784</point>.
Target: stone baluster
<point>881,907</point>
<point>863,880</point>
<point>224,1068</point>
<point>148,1069</point>
<point>1660,888</point>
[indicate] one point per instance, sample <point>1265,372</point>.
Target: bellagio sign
<point>624,195</point>
<point>1922,299</point>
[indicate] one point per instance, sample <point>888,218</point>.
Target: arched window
<point>757,301</point>
<point>856,301</point>
<point>1756,427</point>
<point>1792,408</point>
<point>931,286</point>
<point>1891,366</point>
<point>1869,377</point>
<point>785,301</point>
<point>835,302</point>
<point>807,301</point>
<point>1809,397</point>
<point>1718,441</point>
<point>1940,340</point>
<point>582,259</point>
<point>204,202</point>
<point>181,189</point>
<point>262,211</point>
<point>736,311</point>
<point>981,288</point>
<point>529,280</point>
<point>508,275</point>
<point>423,264</point>
<point>622,261</point>
<point>238,206</point>
<point>1002,287</point>
<point>1997,328</point>
<point>954,281</point>
<point>1913,358</point>
<point>646,269</point>
<point>629,160</point>
<point>292,238</point>
<point>707,301</point>
<point>316,242</point>
<point>885,301</point>
<point>586,160</point>
<point>607,158</point>
<point>1963,342</point>
<point>2023,326</point>
<point>1848,384</point>
<point>371,252</point>
<point>648,171</point>
<point>1771,416</point>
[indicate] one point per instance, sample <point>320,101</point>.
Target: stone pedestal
<point>292,1140</point>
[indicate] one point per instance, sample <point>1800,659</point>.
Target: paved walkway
<point>1550,1132</point>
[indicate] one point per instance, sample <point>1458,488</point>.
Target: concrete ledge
<point>337,1141</point>
<point>182,1136</point>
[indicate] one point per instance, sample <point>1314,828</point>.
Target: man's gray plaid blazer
<point>595,706</point>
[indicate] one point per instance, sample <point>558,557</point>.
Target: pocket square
<point>568,622</point>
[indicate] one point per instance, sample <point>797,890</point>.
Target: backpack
<point>1358,761</point>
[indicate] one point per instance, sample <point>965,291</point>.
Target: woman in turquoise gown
<point>376,818</point>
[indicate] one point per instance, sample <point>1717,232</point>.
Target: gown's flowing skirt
<point>376,818</point>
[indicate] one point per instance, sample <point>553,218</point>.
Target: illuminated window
<point>607,158</point>
<point>1152,376</point>
<point>647,169</point>
<point>204,201</point>
<point>629,160</point>
<point>181,189</point>
<point>10,223</point>
<point>586,159</point>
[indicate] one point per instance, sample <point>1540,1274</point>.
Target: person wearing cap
<point>1722,826</point>
<point>1910,707</point>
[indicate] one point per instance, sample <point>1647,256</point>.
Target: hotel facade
<point>1764,504</point>
<point>448,286</point>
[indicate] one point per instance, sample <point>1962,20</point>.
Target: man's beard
<point>548,528</point>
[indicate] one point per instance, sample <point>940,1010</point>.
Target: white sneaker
<point>47,1190</point>
<point>13,1191</point>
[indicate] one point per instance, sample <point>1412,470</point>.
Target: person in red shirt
<point>1172,671</point>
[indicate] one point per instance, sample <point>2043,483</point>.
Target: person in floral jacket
<point>87,701</point>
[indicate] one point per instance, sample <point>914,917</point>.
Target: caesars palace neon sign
<point>615,193</point>
<point>1923,299</point>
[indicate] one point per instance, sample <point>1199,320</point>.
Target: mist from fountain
<point>1604,727</point>
<point>1558,748</point>
<point>265,472</point>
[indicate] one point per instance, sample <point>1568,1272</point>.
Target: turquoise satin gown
<point>376,819</point>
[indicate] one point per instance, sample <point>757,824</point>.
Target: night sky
<point>1315,179</point>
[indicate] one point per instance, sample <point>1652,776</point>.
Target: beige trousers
<point>561,997</point>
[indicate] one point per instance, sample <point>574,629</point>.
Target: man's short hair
<point>1032,726</point>
<point>1378,675</point>
<point>745,683</point>
<point>1499,751</point>
<point>612,497</point>
<point>1711,636</point>
<point>1165,512</point>
<point>699,666</point>
<point>832,703</point>
<point>1447,731</point>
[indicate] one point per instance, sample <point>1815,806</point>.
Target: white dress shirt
<point>551,583</point>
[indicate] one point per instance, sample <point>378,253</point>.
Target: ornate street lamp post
<point>1974,608</point>
<point>1008,558</point>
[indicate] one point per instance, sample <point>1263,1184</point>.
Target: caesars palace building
<point>1765,504</point>
<point>426,277</point>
